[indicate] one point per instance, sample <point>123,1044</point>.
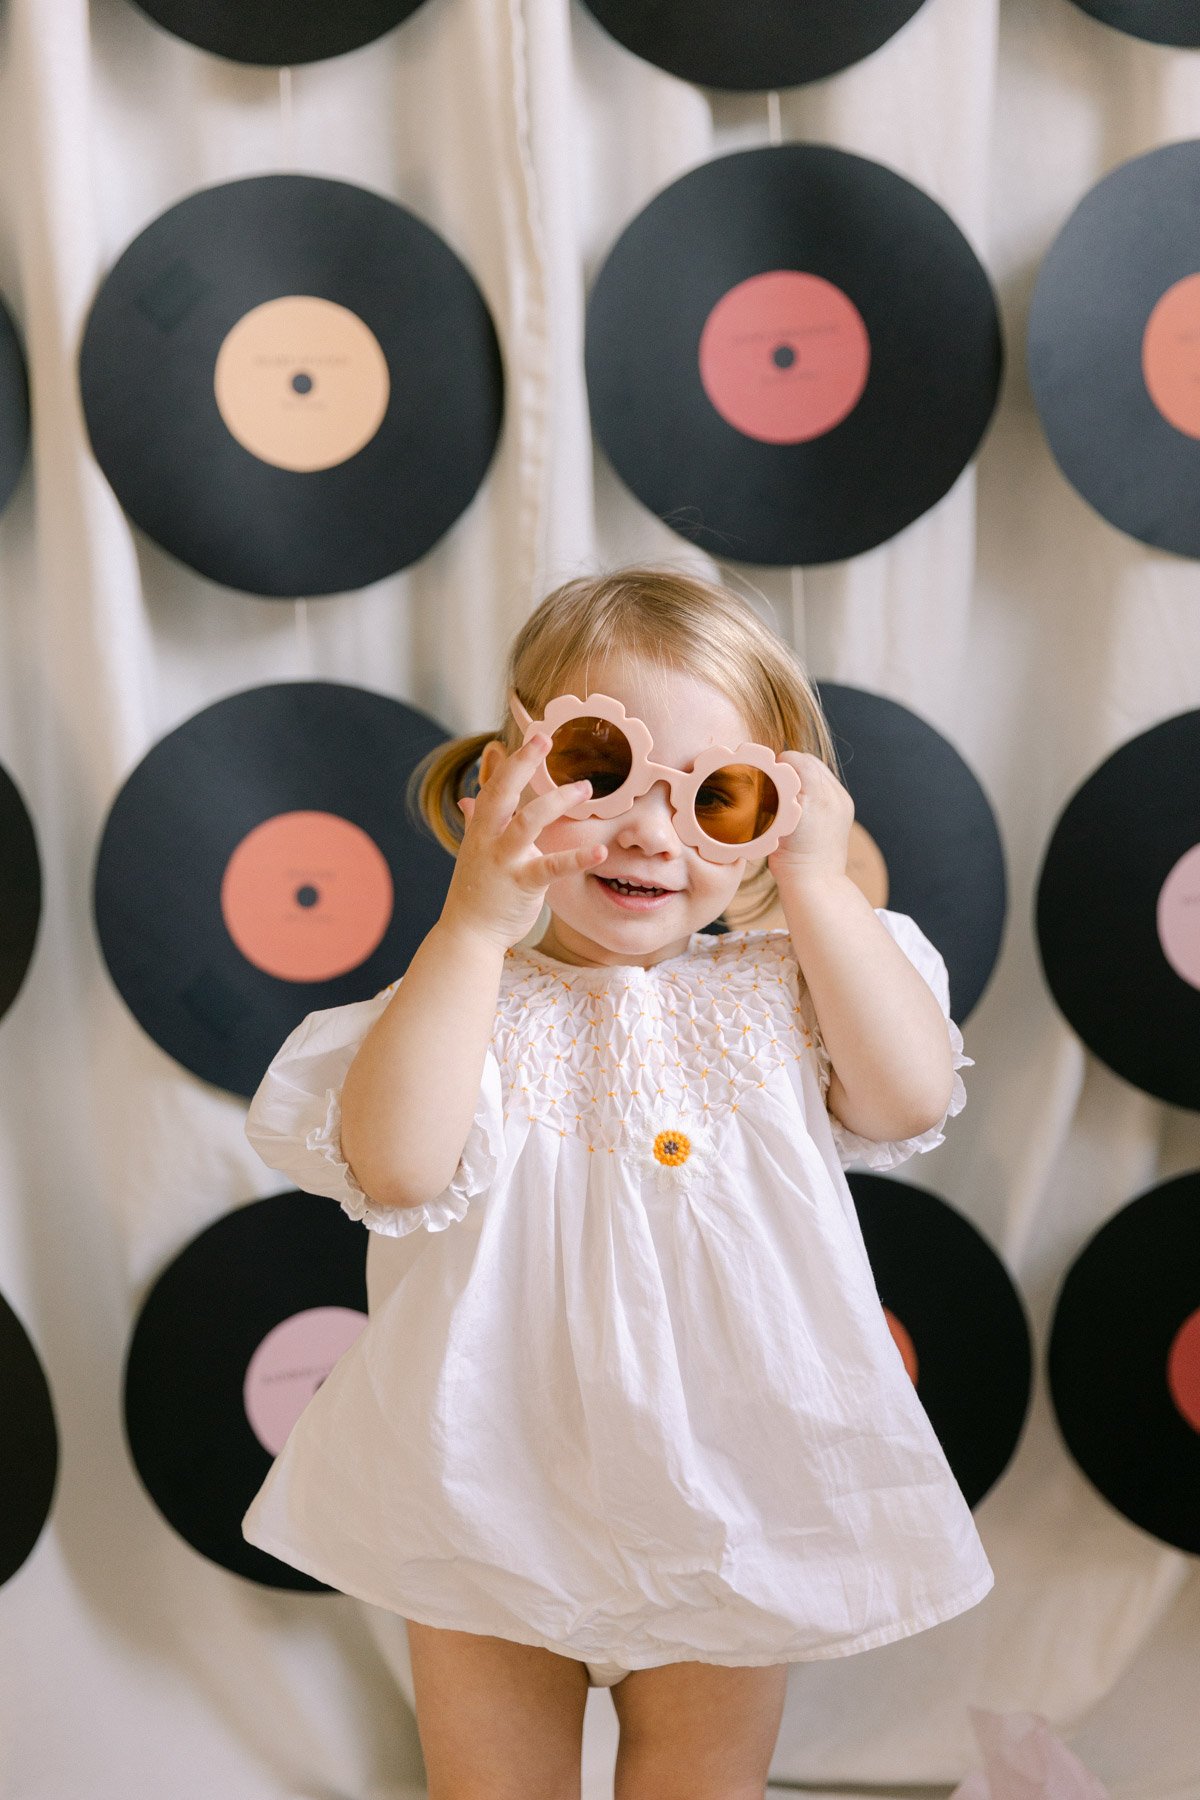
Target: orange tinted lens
<point>590,749</point>
<point>737,803</point>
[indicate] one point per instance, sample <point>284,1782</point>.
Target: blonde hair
<point>666,617</point>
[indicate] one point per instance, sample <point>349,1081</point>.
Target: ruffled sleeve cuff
<point>477,1167</point>
<point>295,1123</point>
<point>878,1154</point>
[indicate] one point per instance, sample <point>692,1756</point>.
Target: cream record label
<point>293,385</point>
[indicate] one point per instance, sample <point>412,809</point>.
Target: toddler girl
<point>627,1409</point>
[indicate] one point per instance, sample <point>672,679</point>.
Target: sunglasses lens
<point>590,749</point>
<point>737,803</point>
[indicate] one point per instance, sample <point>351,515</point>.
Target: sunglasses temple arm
<point>523,718</point>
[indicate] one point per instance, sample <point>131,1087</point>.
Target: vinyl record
<point>292,384</point>
<point>20,891</point>
<point>230,1345</point>
<point>1118,911</point>
<point>278,32</point>
<point>260,863</point>
<point>1124,1361</point>
<point>791,355</point>
<point>30,1438</point>
<point>1114,348</point>
<point>926,830</point>
<point>958,1322</point>
<point>14,407</point>
<point>773,44</point>
<point>1161,21</point>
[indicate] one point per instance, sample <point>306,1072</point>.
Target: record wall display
<point>278,32</point>
<point>20,891</point>
<point>259,864</point>
<point>1124,1361</point>
<point>773,44</point>
<point>14,407</point>
<point>293,385</point>
<point>1118,911</point>
<point>1114,330</point>
<point>1161,21</point>
<point>791,355</point>
<point>230,1345</point>
<point>30,1438</point>
<point>957,1320</point>
<point>930,830</point>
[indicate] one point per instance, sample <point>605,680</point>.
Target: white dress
<point>627,1390</point>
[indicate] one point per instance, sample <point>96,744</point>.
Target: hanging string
<point>287,135</point>
<point>799,623</point>
<point>287,160</point>
<point>774,121</point>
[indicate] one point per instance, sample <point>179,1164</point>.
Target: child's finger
<point>563,862</point>
<point>543,809</point>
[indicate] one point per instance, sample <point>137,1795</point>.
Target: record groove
<point>293,385</point>
<point>791,355</point>
<point>278,32</point>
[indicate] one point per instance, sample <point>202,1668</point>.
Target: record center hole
<point>783,356</point>
<point>302,383</point>
<point>307,896</point>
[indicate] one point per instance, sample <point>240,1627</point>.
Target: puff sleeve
<point>873,1154</point>
<point>294,1122</point>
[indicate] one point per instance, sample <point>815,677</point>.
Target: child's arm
<point>892,1060</point>
<point>885,1033</point>
<point>410,1094</point>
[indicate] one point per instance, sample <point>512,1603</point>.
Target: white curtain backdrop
<point>1030,633</point>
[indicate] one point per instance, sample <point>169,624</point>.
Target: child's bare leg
<point>496,1720</point>
<point>697,1731</point>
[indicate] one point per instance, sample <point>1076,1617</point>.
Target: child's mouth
<point>633,897</point>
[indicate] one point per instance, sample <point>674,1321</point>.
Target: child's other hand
<point>820,845</point>
<point>500,877</point>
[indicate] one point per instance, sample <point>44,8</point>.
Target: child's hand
<point>500,878</point>
<point>820,845</point>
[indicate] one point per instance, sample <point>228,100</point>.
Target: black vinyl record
<point>1161,21</point>
<point>791,355</point>
<point>231,1343</point>
<point>293,385</point>
<point>1113,334</point>
<point>958,1321</point>
<point>20,891</point>
<point>772,44</point>
<point>30,1438</point>
<point>1118,900</point>
<point>1124,1361</point>
<point>278,32</point>
<point>934,827</point>
<point>259,864</point>
<point>14,407</point>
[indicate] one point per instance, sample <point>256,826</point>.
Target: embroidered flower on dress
<point>676,1152</point>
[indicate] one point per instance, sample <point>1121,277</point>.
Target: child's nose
<point>650,821</point>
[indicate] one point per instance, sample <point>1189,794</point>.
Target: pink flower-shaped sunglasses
<point>735,801</point>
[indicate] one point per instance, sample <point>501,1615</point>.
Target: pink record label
<point>1183,1370</point>
<point>1178,917</point>
<point>784,357</point>
<point>1171,356</point>
<point>307,896</point>
<point>289,1366</point>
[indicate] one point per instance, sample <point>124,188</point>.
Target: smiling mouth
<point>632,887</point>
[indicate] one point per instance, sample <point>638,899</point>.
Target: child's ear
<point>489,759</point>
